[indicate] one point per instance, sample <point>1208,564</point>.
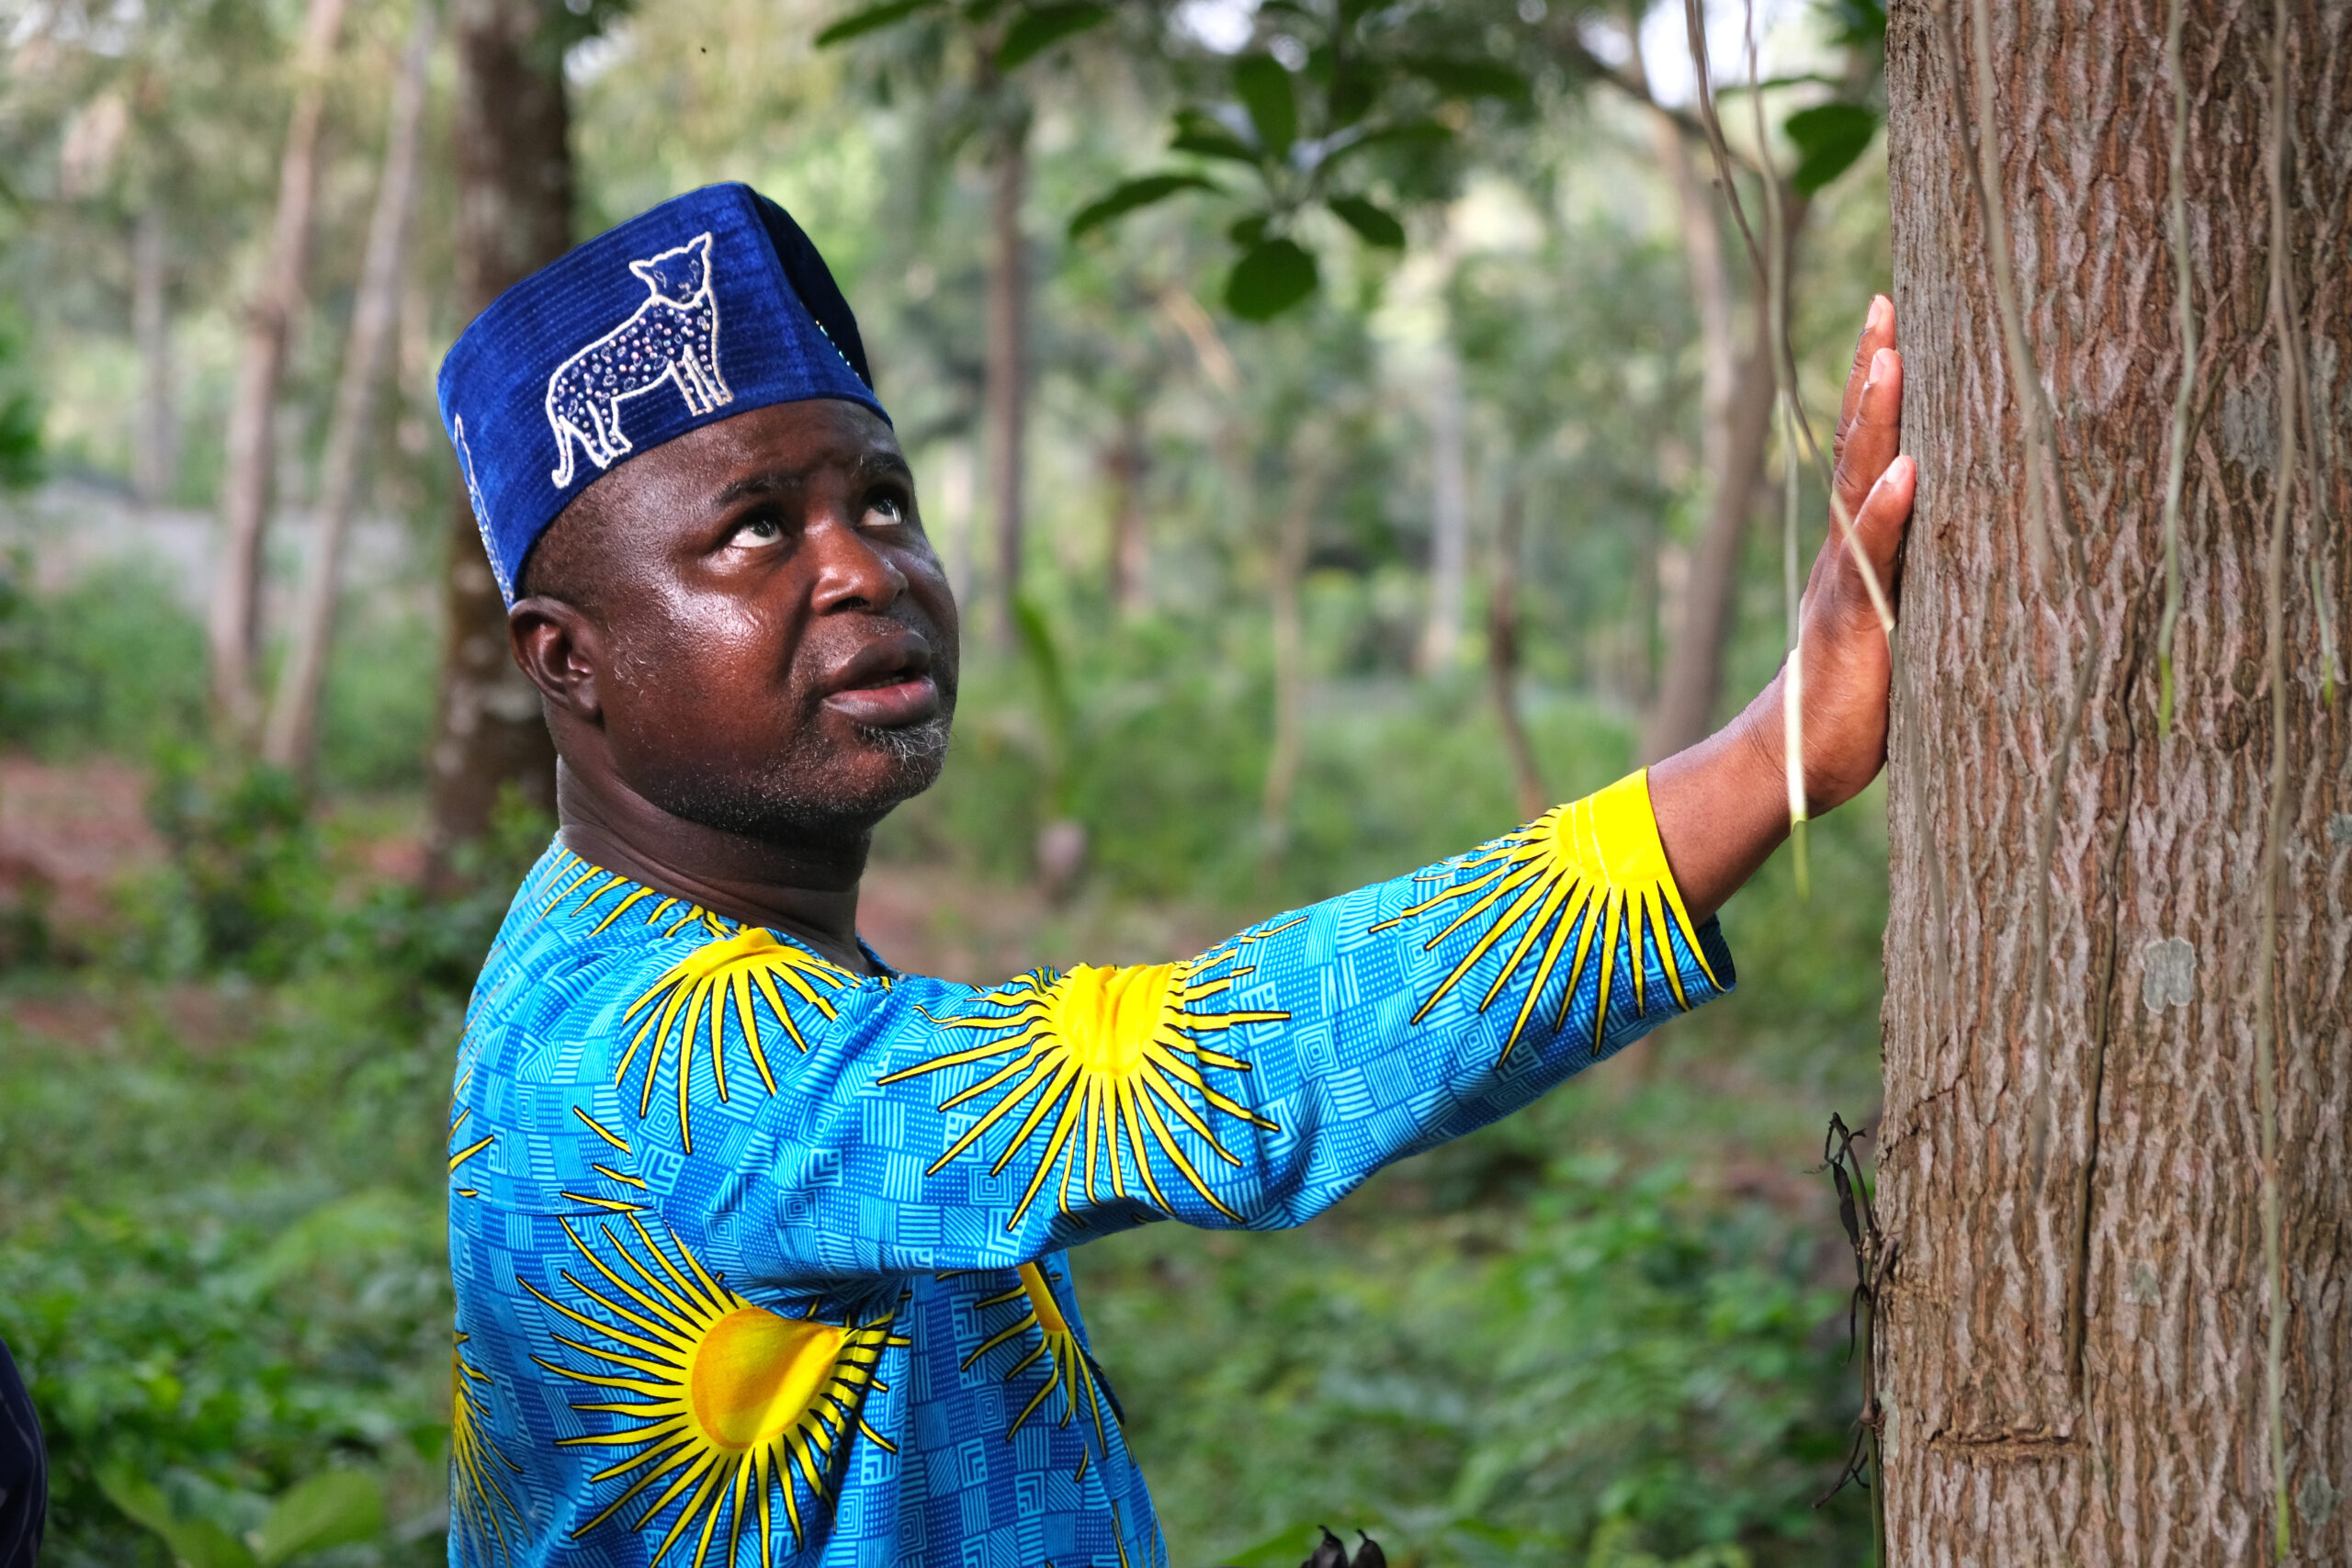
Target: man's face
<point>777,642</point>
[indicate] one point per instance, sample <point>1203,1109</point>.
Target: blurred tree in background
<point>1331,405</point>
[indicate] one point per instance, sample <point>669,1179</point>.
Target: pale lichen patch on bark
<point>2168,976</point>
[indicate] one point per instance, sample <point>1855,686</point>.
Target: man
<point>760,1245</point>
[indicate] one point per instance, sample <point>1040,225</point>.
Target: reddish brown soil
<point>69,834</point>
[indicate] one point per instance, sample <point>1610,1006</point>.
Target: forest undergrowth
<point>1611,1330</point>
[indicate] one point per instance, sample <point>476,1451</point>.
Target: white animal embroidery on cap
<point>481,508</point>
<point>673,337</point>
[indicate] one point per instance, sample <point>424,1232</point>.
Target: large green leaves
<point>1271,275</point>
<point>1142,192</point>
<point>1265,91</point>
<point>334,1507</point>
<point>1034,31</point>
<point>1375,224</point>
<point>1470,78</point>
<point>872,19</point>
<point>1203,134</point>
<point>1403,133</point>
<point>1857,24</point>
<point>193,1542</point>
<point>1829,138</point>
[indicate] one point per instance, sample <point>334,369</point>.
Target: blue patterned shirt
<point>760,1261</point>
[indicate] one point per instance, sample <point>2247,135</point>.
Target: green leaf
<point>1203,134</point>
<point>1248,229</point>
<point>1471,78</point>
<point>1265,91</point>
<point>1857,24</point>
<point>1270,278</point>
<point>1404,133</point>
<point>193,1543</point>
<point>334,1507</point>
<point>141,1500</point>
<point>872,19</point>
<point>1037,31</point>
<point>1351,96</point>
<point>1123,199</point>
<point>1828,137</point>
<point>1373,222</point>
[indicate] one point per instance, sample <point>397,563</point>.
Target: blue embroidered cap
<point>712,304</point>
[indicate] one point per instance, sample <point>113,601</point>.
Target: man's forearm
<point>1723,804</point>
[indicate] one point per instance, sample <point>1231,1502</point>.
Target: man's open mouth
<point>886,684</point>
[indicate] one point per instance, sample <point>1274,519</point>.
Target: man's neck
<point>806,888</point>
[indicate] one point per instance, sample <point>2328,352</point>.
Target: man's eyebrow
<point>869,465</point>
<point>882,463</point>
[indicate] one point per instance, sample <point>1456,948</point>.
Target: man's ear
<point>561,649</point>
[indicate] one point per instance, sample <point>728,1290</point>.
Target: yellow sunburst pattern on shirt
<point>714,982</point>
<point>1102,1058</point>
<point>589,884</point>
<point>480,1505</point>
<point>720,1409</point>
<point>1593,873</point>
<point>689,1004</point>
<point>1067,1371</point>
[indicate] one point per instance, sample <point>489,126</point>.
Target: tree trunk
<point>2073,1339</point>
<point>1309,473</point>
<point>1449,515</point>
<point>1700,215</point>
<point>1637,653</point>
<point>291,740</point>
<point>514,217</point>
<point>235,620</point>
<point>1502,649</point>
<point>1007,388</point>
<point>154,463</point>
<point>1126,463</point>
<point>957,501</point>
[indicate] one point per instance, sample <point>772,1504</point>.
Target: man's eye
<point>756,530</point>
<point>885,512</point>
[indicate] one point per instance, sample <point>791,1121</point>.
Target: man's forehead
<point>882,460</point>
<point>783,447</point>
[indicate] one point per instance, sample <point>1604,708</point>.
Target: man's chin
<point>916,751</point>
<point>883,769</point>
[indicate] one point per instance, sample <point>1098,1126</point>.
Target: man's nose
<point>852,572</point>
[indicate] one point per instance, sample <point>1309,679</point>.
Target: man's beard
<point>918,747</point>
<point>775,804</point>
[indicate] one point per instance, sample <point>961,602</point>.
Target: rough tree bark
<point>290,739</point>
<point>234,626</point>
<point>514,162</point>
<point>2073,1339</point>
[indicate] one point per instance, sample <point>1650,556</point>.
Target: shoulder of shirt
<point>577,927</point>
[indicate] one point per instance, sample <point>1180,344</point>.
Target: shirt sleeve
<point>915,1124</point>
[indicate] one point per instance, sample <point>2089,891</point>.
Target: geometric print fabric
<point>760,1261</point>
